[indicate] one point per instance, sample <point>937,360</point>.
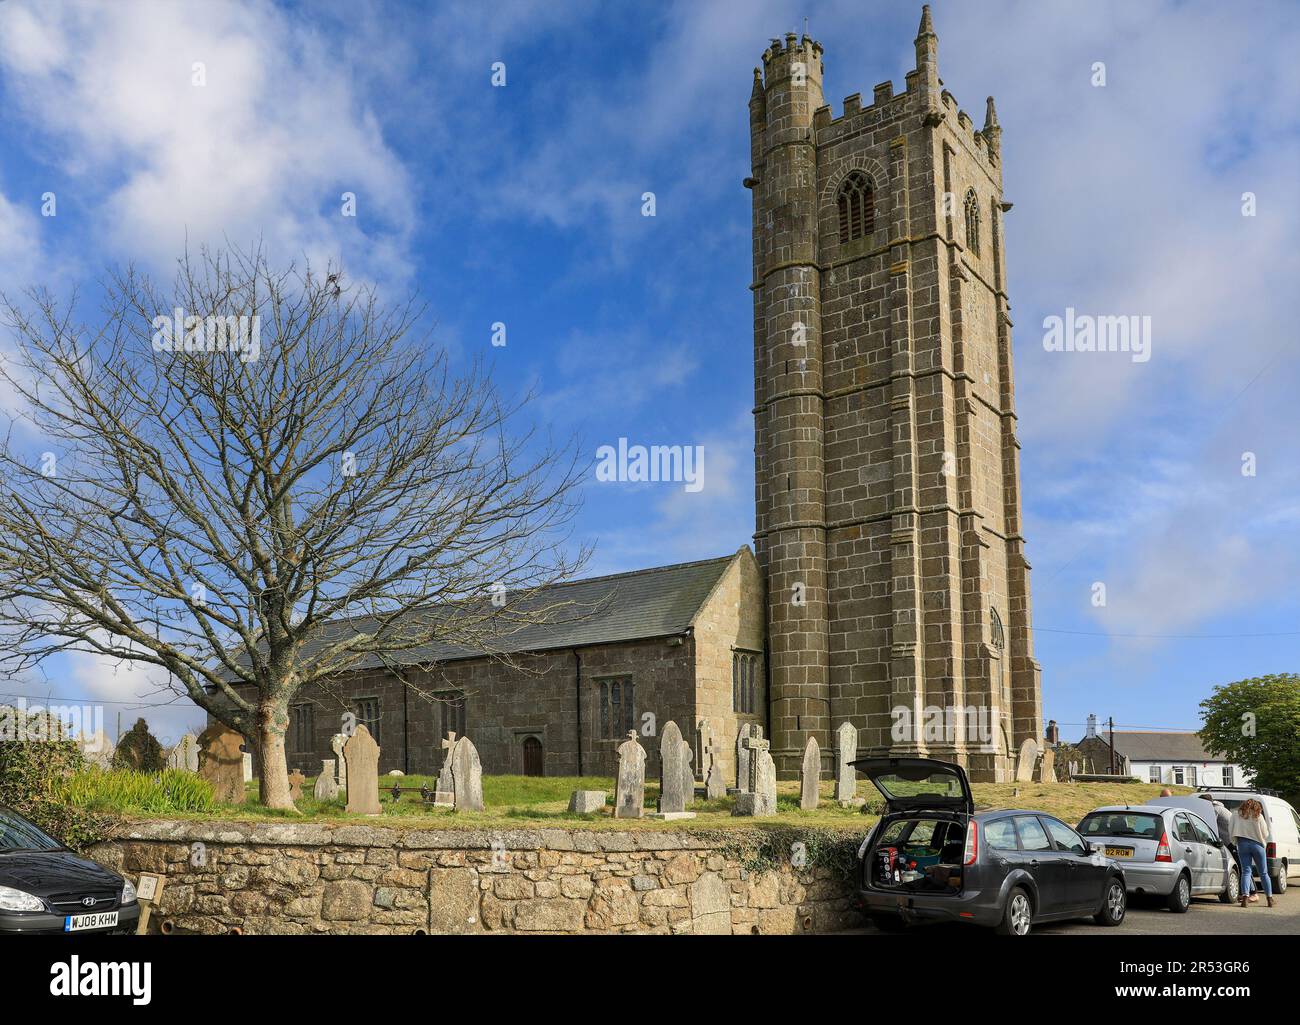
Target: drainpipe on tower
<point>577,702</point>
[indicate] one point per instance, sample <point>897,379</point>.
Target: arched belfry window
<point>856,201</point>
<point>972,222</point>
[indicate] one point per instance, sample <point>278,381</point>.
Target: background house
<point>1168,756</point>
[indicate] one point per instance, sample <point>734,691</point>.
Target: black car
<point>932,858</point>
<point>45,888</point>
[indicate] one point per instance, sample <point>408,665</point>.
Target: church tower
<point>887,467</point>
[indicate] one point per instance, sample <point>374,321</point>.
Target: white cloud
<point>263,150</point>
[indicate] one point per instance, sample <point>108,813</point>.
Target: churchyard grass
<point>520,802</point>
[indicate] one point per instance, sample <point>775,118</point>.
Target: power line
<point>1184,637</point>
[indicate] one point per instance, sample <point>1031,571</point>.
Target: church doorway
<point>532,756</point>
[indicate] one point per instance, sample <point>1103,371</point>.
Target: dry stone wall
<point>262,878</point>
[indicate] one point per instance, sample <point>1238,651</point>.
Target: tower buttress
<point>791,516</point>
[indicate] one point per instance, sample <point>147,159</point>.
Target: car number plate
<point>99,920</point>
<point>1119,852</point>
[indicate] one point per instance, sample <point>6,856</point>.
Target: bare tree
<point>260,505</point>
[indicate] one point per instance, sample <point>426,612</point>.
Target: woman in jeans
<point>1250,828</point>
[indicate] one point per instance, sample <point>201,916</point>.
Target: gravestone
<point>714,785</point>
<point>672,772</point>
<point>221,763</point>
<point>466,776</point>
<point>247,763</point>
<point>810,775</point>
<point>587,802</point>
<point>327,783</point>
<point>444,774</point>
<point>340,763</point>
<point>362,755</point>
<point>760,798</point>
<point>1028,756</point>
<point>747,730</point>
<point>629,789</point>
<point>846,752</point>
<point>185,755</point>
<point>296,780</point>
<point>1047,767</point>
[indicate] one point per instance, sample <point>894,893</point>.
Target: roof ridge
<point>639,572</point>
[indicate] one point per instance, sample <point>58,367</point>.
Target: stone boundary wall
<point>274,878</point>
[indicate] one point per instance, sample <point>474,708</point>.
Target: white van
<point>1284,840</point>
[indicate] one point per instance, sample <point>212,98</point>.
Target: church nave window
<point>367,710</point>
<point>617,707</point>
<point>303,733</point>
<point>744,682</point>
<point>453,712</point>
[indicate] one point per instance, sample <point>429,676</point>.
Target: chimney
<point>1053,733</point>
<point>1092,726</point>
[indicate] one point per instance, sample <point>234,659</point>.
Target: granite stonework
<point>301,878</point>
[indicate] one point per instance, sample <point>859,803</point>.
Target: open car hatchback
<point>932,857</point>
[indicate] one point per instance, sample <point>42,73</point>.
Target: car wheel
<point>1232,892</point>
<point>1279,881</point>
<point>1114,906</point>
<point>888,923</point>
<point>1018,915</point>
<point>1180,899</point>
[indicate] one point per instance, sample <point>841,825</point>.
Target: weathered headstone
<point>327,783</point>
<point>185,755</point>
<point>337,743</point>
<point>846,752</point>
<point>362,755</point>
<point>760,798</point>
<point>444,774</point>
<point>629,789</point>
<point>714,785</point>
<point>466,776</point>
<point>1047,767</point>
<point>221,763</point>
<point>1028,756</point>
<point>810,775</point>
<point>747,730</point>
<point>587,802</point>
<point>672,770</point>
<point>296,780</point>
<point>247,763</point>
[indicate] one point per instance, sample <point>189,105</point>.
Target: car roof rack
<point>1240,790</point>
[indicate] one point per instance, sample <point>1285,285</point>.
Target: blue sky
<point>522,205</point>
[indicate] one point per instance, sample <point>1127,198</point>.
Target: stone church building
<point>888,579</point>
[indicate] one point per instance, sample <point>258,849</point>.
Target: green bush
<point>122,790</point>
<point>35,766</point>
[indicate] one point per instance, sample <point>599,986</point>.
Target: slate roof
<point>638,605</point>
<point>1141,746</point>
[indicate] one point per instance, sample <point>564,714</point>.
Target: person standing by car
<point>1250,829</point>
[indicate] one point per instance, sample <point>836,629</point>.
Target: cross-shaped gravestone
<point>754,744</point>
<point>445,784</point>
<point>296,780</point>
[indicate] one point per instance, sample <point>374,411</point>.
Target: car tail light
<point>1162,848</point>
<point>1270,851</point>
<point>972,844</point>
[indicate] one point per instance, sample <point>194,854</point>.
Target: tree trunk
<point>274,769</point>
